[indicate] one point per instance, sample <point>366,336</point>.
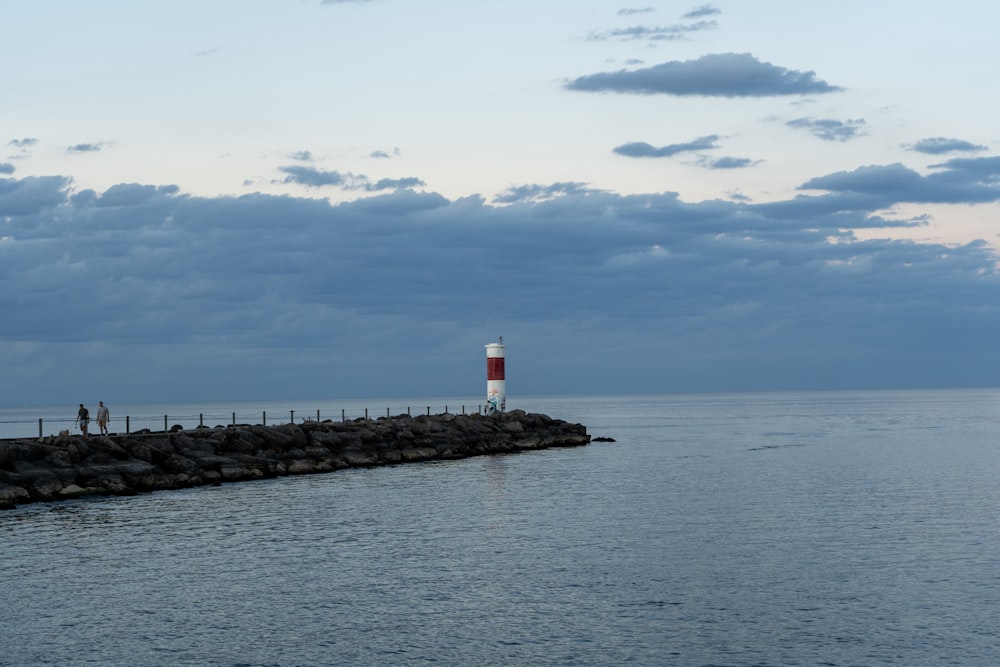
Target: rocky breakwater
<point>71,466</point>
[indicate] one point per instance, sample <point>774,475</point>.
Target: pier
<point>65,466</point>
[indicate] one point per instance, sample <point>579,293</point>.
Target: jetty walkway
<point>62,467</point>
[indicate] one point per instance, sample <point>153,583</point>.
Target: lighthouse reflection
<point>496,493</point>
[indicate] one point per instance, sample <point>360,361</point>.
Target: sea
<point>839,528</point>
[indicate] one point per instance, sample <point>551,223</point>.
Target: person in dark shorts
<point>83,418</point>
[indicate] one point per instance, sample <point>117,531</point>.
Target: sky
<point>264,199</point>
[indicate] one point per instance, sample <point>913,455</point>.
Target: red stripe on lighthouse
<point>494,368</point>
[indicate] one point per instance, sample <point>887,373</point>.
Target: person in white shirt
<point>103,415</point>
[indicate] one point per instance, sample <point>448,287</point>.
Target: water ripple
<point>838,542</point>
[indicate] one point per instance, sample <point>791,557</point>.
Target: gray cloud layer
<point>143,291</point>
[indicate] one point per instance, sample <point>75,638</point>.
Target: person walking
<point>103,415</point>
<point>82,419</point>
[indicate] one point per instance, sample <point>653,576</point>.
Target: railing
<point>146,423</point>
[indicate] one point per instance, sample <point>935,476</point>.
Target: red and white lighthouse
<point>496,384</point>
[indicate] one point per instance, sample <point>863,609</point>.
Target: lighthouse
<point>496,384</point>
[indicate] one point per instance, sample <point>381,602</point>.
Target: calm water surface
<point>751,529</point>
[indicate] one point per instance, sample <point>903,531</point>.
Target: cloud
<point>628,11</point>
<point>317,178</point>
<point>6,168</point>
<point>384,155</point>
<point>652,33</point>
<point>719,75</point>
<point>264,296</point>
<point>703,10</point>
<point>394,184</point>
<point>133,194</point>
<point>23,143</point>
<point>829,129</point>
<point>941,145</point>
<point>537,193</point>
<point>31,195</point>
<point>968,180</point>
<point>642,149</point>
<point>966,171</point>
<point>727,163</point>
<point>84,148</point>
<point>302,156</point>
